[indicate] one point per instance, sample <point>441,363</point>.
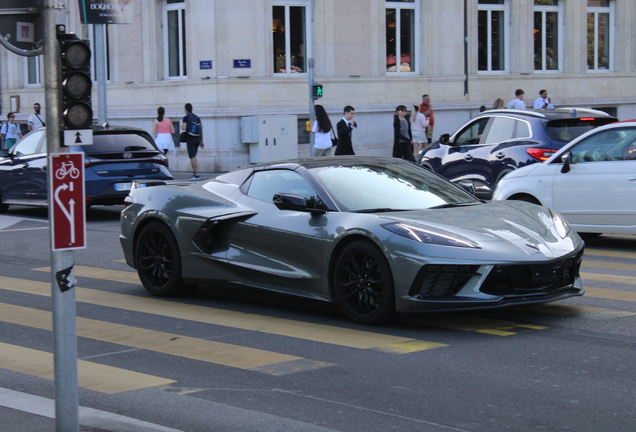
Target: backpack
<point>194,127</point>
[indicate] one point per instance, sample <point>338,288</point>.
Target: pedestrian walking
<point>191,125</point>
<point>402,136</point>
<point>419,124</point>
<point>427,109</point>
<point>10,131</point>
<point>163,132</point>
<point>345,128</point>
<point>35,120</point>
<point>323,131</point>
<point>517,102</point>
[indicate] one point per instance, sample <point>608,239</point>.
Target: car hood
<point>500,227</point>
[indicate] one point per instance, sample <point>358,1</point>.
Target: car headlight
<point>562,226</point>
<point>426,236</point>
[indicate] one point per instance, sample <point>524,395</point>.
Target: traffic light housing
<point>316,90</point>
<point>76,82</point>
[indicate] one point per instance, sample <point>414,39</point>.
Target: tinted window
<point>402,187</point>
<point>566,130</point>
<point>29,144</point>
<point>501,129</point>
<point>472,133</point>
<point>608,145</point>
<point>118,142</point>
<point>265,184</point>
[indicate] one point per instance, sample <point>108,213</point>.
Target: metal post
<point>100,72</point>
<point>310,70</point>
<point>64,325</point>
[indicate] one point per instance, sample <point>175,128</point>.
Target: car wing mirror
<point>4,153</point>
<point>444,139</point>
<point>468,186</point>
<point>287,201</point>
<point>566,158</point>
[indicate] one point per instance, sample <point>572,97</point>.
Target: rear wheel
<point>363,284</point>
<point>158,261</point>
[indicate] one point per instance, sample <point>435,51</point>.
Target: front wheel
<point>158,261</point>
<point>363,284</point>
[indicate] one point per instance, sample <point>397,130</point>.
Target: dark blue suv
<point>496,142</point>
<point>117,156</point>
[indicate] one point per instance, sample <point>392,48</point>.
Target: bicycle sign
<point>66,196</point>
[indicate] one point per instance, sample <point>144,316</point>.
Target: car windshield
<point>378,188</point>
<point>565,130</point>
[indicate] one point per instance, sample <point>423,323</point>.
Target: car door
<point>457,161</point>
<point>600,187</point>
<point>19,171</point>
<point>281,248</point>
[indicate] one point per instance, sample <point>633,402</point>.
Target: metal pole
<point>310,70</point>
<point>64,325</point>
<point>100,72</point>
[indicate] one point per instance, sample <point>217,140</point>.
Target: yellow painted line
<point>610,265</point>
<point>471,323</point>
<point>408,347</point>
<point>100,273</point>
<point>627,280</point>
<point>283,327</point>
<point>92,376</point>
<point>610,294</point>
<point>608,253</point>
<point>583,311</point>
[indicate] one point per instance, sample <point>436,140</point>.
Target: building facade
<point>242,58</point>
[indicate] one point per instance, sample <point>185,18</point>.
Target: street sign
<point>22,26</point>
<point>106,11</point>
<point>78,137</point>
<point>66,196</point>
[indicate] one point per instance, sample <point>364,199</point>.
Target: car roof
<point>554,114</point>
<point>331,161</point>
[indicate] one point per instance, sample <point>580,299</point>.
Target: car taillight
<point>587,119</point>
<point>540,153</point>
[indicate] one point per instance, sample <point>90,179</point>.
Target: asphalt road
<point>235,359</point>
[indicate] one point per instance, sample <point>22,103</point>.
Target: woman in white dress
<point>163,131</point>
<point>419,123</point>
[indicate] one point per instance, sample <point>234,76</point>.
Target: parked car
<point>117,156</point>
<point>591,181</point>
<point>376,235</point>
<point>496,142</point>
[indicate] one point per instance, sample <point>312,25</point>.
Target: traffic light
<point>316,90</point>
<point>76,82</point>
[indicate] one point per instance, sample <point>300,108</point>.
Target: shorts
<point>193,146</point>
<point>8,142</point>
<point>419,136</point>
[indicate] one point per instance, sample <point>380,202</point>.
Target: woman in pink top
<point>419,123</point>
<point>163,131</point>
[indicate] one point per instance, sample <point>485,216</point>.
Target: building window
<point>91,36</point>
<point>401,28</point>
<point>289,33</point>
<point>175,39</point>
<point>599,34</point>
<point>546,35</point>
<point>492,18</point>
<point>32,67</point>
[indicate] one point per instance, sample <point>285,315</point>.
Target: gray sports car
<point>376,235</point>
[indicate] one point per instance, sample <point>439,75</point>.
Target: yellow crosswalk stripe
<point>610,294</point>
<point>92,376</point>
<point>471,323</point>
<point>609,253</point>
<point>566,309</point>
<point>166,343</point>
<point>279,326</point>
<point>610,265</point>
<point>627,280</point>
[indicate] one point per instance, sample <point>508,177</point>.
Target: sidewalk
<point>21,412</point>
<point>185,175</point>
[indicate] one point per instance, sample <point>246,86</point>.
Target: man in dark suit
<point>344,128</point>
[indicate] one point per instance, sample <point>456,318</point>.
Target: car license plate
<point>546,275</point>
<point>122,186</point>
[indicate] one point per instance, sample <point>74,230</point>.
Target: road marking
<point>471,323</point>
<point>610,294</point>
<point>627,280</point>
<point>308,331</point>
<point>407,347</point>
<point>609,253</point>
<point>610,265</point>
<point>101,273</point>
<point>166,343</point>
<point>565,309</point>
<point>92,376</point>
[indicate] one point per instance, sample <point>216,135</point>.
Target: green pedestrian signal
<point>316,91</point>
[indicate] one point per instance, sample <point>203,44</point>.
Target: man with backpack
<point>191,124</point>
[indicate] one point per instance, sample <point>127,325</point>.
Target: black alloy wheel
<point>158,262</point>
<point>363,284</point>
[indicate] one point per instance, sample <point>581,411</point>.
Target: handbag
<point>334,139</point>
<point>183,137</point>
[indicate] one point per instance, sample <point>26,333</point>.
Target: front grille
<point>519,280</point>
<point>441,280</point>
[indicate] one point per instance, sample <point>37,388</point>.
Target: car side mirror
<point>4,153</point>
<point>287,201</point>
<point>566,158</point>
<point>444,139</point>
<point>468,186</point>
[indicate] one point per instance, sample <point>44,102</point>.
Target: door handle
<point>500,155</point>
<point>468,157</point>
<point>632,179</point>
